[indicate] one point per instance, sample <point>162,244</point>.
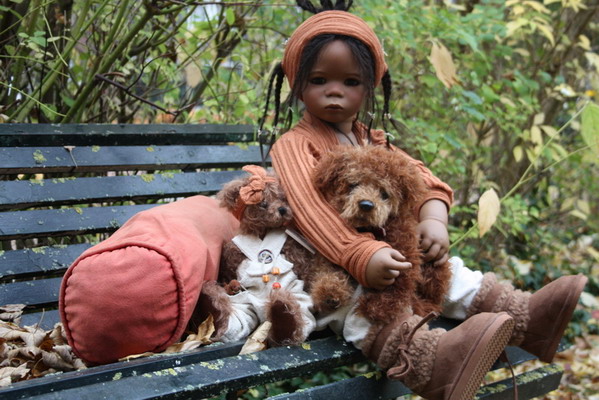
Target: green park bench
<point>65,187</point>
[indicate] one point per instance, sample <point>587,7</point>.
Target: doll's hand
<point>384,266</point>
<point>434,241</point>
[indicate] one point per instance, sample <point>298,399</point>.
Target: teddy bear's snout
<point>366,205</point>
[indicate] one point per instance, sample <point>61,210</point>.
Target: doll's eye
<point>263,205</point>
<point>384,195</point>
<point>352,82</point>
<point>317,81</point>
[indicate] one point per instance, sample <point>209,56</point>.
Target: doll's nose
<point>334,90</point>
<point>366,205</point>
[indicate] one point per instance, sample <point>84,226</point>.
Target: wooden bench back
<point>65,188</point>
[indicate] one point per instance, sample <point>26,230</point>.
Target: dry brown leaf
<point>54,360</point>
<point>10,374</point>
<point>57,334</point>
<point>135,356</point>
<point>488,210</point>
<point>443,64</point>
<point>206,330</point>
<point>11,312</point>
<point>34,336</point>
<point>257,340</point>
<point>193,341</point>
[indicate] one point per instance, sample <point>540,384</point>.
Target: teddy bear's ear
<point>328,170</point>
<point>230,192</point>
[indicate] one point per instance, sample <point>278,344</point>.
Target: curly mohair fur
<point>272,212</point>
<point>391,186</point>
<point>504,297</point>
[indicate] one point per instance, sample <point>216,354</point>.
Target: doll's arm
<point>434,238</point>
<point>294,161</point>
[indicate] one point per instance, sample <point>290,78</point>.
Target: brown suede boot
<point>438,364</point>
<point>541,318</point>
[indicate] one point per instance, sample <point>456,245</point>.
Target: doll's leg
<point>436,364</point>
<point>465,284</point>
<point>541,317</point>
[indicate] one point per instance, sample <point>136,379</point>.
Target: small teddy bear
<point>377,190</point>
<point>257,279</point>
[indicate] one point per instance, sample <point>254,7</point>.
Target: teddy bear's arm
<point>231,258</point>
<point>300,257</point>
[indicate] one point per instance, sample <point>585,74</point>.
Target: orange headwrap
<point>332,22</point>
<point>252,193</point>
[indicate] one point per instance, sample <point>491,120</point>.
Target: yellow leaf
<point>518,153</point>
<point>568,203</point>
<point>583,206</point>
<point>590,127</point>
<point>488,210</point>
<point>257,340</point>
<point>546,30</point>
<point>537,6</point>
<point>584,42</point>
<point>549,130</point>
<point>539,119</point>
<point>513,26</point>
<point>536,136</point>
<point>443,64</point>
<point>578,214</point>
<point>193,75</point>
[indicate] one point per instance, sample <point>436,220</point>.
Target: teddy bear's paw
<point>213,301</point>
<point>331,292</point>
<point>285,314</point>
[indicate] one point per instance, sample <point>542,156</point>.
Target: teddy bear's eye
<point>352,186</point>
<point>384,195</point>
<point>263,204</point>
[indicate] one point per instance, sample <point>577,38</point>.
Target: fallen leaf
<point>11,312</point>
<point>257,340</point>
<point>135,356</point>
<point>193,341</point>
<point>443,64</point>
<point>488,210</point>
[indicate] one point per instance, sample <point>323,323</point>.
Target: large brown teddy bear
<point>377,190</point>
<point>258,278</point>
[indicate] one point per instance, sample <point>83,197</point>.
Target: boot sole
<point>485,352</point>
<point>564,317</point>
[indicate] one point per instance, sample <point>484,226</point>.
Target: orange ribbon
<point>253,192</point>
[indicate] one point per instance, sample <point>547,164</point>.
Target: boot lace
<point>406,334</point>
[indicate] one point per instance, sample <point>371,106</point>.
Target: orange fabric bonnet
<point>332,22</point>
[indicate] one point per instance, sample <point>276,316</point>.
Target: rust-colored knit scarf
<point>332,22</point>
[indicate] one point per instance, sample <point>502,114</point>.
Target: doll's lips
<point>334,107</point>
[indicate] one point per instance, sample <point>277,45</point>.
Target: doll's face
<point>335,90</point>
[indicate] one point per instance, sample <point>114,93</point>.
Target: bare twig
<point>125,89</point>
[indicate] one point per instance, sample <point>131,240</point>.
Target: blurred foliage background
<point>522,117</point>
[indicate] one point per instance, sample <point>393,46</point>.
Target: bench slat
<point>53,192</point>
<point>67,221</point>
<point>124,134</point>
<point>108,372</point>
<point>44,318</point>
<point>190,378</point>
<point>31,160</point>
<point>530,384</point>
<point>31,293</point>
<point>373,386</point>
<point>38,261</point>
